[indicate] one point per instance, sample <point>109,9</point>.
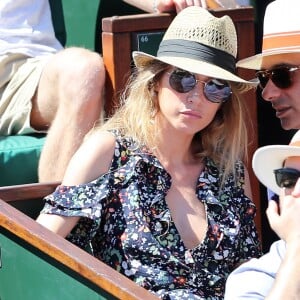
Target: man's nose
<point>271,91</point>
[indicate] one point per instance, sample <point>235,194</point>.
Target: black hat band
<point>198,51</point>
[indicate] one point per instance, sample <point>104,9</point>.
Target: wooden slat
<point>150,22</point>
<point>24,192</point>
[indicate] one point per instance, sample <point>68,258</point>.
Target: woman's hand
<point>178,5</point>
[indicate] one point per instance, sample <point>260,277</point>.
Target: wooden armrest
<point>27,191</point>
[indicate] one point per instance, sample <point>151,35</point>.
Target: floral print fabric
<point>126,223</point>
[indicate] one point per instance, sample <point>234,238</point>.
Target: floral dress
<point>126,223</point>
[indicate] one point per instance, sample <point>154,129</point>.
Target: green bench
<point>19,156</point>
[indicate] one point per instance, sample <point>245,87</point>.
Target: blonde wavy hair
<point>224,140</point>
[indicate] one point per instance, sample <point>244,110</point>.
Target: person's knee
<point>83,64</point>
<point>82,76</point>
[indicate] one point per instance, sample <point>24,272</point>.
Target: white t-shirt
<point>26,27</point>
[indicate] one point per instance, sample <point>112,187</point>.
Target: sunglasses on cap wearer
<point>215,90</point>
<point>286,177</point>
<point>281,76</point>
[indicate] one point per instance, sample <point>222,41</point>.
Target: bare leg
<point>68,102</point>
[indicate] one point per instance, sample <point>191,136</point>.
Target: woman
<point>159,192</point>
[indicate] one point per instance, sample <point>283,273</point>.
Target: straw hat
<point>200,43</point>
<point>267,159</point>
<point>281,32</point>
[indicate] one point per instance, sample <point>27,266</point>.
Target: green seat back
<point>19,156</point>
<point>27,273</point>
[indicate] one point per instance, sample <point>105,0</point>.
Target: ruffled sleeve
<point>249,242</point>
<point>83,200</point>
<point>88,200</point>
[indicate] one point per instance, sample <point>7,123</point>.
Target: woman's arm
<point>91,160</point>
<point>58,224</point>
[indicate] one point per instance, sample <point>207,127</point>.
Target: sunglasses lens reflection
<point>281,77</point>
<point>286,177</point>
<point>182,81</point>
<point>215,90</point>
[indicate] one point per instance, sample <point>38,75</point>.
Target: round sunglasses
<point>281,76</point>
<point>286,177</point>
<point>215,90</point>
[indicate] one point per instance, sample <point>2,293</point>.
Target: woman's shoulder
<point>92,159</point>
<point>100,151</point>
<point>103,141</point>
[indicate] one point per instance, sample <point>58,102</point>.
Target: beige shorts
<point>19,77</point>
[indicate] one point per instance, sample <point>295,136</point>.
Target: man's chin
<point>287,125</point>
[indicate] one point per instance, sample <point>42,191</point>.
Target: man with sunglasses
<point>277,167</point>
<point>279,63</point>
<point>277,69</point>
<point>276,275</point>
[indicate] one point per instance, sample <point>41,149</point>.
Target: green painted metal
<point>28,274</point>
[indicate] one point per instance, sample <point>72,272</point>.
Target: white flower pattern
<point>127,224</point>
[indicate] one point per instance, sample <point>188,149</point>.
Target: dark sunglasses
<point>280,76</point>
<point>215,90</point>
<point>286,177</point>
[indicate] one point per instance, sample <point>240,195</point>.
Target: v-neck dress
<point>126,223</point>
